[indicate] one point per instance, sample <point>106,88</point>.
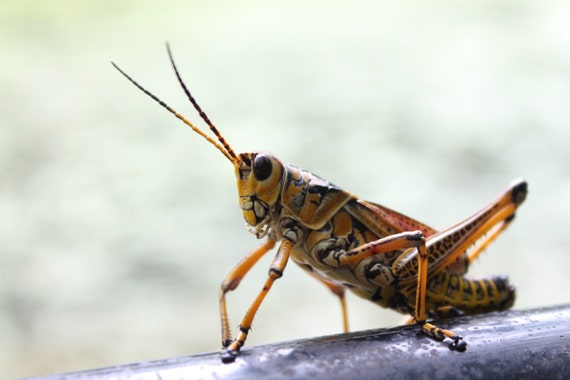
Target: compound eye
<point>262,167</point>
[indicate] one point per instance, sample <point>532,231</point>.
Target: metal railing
<point>527,344</point>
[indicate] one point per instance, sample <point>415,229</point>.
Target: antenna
<point>202,114</point>
<point>222,145</point>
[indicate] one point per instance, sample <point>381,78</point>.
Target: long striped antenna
<point>222,145</point>
<point>202,114</point>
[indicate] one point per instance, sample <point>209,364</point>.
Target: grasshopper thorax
<point>259,177</point>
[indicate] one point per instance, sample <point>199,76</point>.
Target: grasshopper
<point>349,243</point>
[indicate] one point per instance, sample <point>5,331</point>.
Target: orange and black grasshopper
<point>348,243</point>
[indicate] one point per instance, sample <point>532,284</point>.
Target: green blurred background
<point>117,223</point>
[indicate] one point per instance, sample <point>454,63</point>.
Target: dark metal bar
<point>528,344</point>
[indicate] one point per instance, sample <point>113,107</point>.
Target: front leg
<point>232,281</point>
<point>231,348</point>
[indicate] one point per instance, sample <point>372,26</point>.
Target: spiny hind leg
<point>402,241</point>
<point>511,199</point>
<point>440,334</point>
<point>480,229</point>
<point>420,307</point>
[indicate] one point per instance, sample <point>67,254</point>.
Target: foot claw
<point>228,356</point>
<point>458,344</point>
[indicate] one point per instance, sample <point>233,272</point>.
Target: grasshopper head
<point>258,177</point>
<point>258,174</point>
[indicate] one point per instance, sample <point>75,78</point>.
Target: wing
<point>383,221</point>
